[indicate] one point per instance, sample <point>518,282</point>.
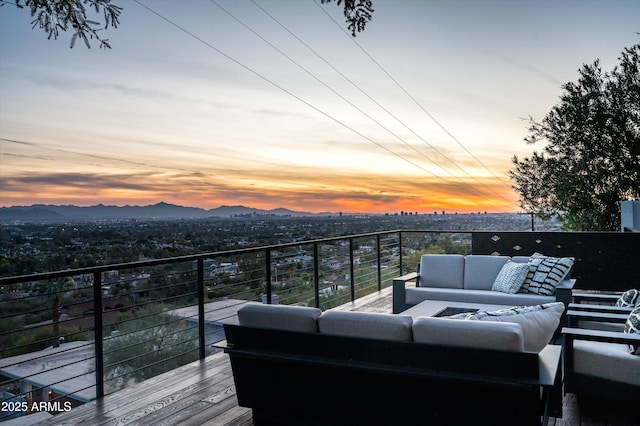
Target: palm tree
<point>53,288</point>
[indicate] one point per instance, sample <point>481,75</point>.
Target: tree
<point>592,158</point>
<point>55,15</point>
<point>358,13</point>
<point>148,343</point>
<point>52,16</point>
<point>53,288</point>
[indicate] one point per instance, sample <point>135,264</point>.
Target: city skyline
<point>271,104</point>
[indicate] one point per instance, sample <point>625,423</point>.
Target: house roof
<point>67,370</point>
<point>217,313</point>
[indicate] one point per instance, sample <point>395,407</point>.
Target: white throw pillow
<point>539,322</point>
<point>511,277</point>
<point>545,273</point>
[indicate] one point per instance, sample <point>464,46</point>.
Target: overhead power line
<point>460,185</point>
<point>377,103</point>
<point>257,74</point>
<point>290,93</point>
<point>406,92</point>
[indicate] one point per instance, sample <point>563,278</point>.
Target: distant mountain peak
<point>161,210</point>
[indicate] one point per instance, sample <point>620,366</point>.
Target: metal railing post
<point>201,300</point>
<point>98,333</point>
<point>267,260</point>
<point>400,252</point>
<point>379,259</point>
<point>351,271</point>
<point>316,275</point>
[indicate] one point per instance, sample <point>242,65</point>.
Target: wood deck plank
<point>213,413</point>
<point>156,392</point>
<point>165,398</point>
<point>210,399</point>
<point>236,416</point>
<point>190,380</point>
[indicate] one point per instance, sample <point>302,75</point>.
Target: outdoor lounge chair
<point>600,362</point>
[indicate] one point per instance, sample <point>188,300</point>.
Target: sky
<point>272,103</point>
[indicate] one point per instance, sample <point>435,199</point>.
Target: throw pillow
<point>633,326</point>
<point>539,322</point>
<point>629,298</point>
<point>545,273</point>
<point>511,277</point>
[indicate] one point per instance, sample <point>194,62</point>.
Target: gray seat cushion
<point>607,361</point>
<point>415,295</point>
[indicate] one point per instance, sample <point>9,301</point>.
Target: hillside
<point>52,213</point>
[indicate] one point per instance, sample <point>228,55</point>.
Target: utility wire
<point>377,103</point>
<point>464,188</point>
<point>409,95</point>
<point>257,74</point>
<point>341,74</point>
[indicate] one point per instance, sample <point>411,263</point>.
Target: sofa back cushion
<point>370,325</point>
<point>472,334</point>
<point>442,270</point>
<point>280,317</point>
<point>480,271</point>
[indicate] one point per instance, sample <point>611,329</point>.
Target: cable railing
<point>68,337</point>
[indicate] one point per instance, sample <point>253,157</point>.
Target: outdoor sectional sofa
<point>471,279</point>
<point>297,365</point>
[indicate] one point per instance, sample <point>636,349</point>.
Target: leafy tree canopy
<point>53,16</point>
<point>358,13</point>
<point>591,160</point>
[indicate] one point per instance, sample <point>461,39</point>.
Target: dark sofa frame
<point>297,378</point>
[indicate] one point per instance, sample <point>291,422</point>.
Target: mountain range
<point>52,213</point>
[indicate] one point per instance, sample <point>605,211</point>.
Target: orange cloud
<point>304,190</point>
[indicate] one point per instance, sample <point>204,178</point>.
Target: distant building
<point>227,268</point>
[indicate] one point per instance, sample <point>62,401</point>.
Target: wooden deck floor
<point>203,393</point>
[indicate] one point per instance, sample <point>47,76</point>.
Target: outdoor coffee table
<point>437,308</point>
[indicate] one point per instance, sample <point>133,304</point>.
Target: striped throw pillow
<point>633,326</point>
<point>629,299</point>
<point>545,273</point>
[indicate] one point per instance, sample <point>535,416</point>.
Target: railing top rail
<point>177,259</point>
<point>194,257</point>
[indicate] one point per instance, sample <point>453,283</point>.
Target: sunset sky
<point>272,104</point>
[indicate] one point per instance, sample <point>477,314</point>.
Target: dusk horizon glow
<point>271,104</point>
